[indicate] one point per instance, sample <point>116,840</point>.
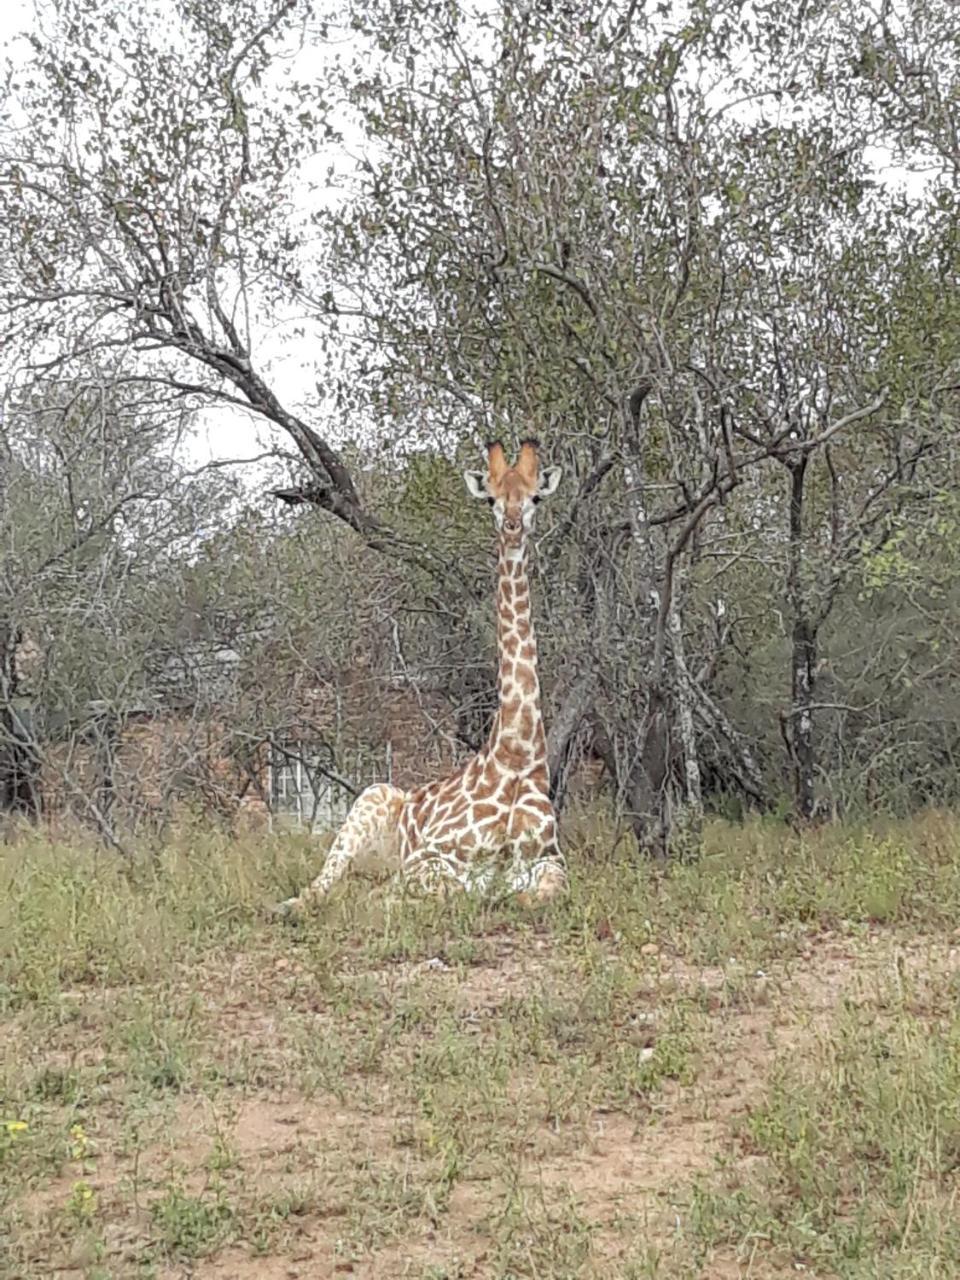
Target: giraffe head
<point>513,492</point>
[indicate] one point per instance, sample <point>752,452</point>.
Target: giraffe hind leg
<point>442,869</point>
<point>434,873</point>
<point>371,829</point>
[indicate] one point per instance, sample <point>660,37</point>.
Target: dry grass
<point>749,1067</point>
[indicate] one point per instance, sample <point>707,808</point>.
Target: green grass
<point>859,1146</point>
<point>749,1064</point>
<point>191,1226</point>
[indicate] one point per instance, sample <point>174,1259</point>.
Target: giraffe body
<point>491,823</point>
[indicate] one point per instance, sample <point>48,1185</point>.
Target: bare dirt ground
<point>512,1162</point>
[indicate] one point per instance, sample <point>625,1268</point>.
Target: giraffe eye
<point>535,499</point>
<point>490,501</point>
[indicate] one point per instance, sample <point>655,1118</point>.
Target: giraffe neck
<point>517,740</point>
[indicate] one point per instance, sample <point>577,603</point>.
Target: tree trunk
<point>803,657</point>
<point>744,768</point>
<point>652,802</point>
<point>692,817</point>
<point>564,729</point>
<point>648,779</point>
<point>804,747</point>
<point>19,769</point>
<point>107,731</point>
<point>20,791</point>
<point>691,764</point>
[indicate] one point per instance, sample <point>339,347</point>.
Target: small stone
<point>282,964</point>
<point>649,949</point>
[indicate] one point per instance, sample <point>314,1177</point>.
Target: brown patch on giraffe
<point>459,807</point>
<point>429,803</point>
<point>491,774</point>
<point>484,810</point>
<point>539,777</point>
<point>527,682</point>
<point>528,651</point>
<point>423,799</point>
<point>526,723</point>
<point>406,821</point>
<point>510,708</point>
<point>450,788</point>
<point>513,755</point>
<point>510,790</point>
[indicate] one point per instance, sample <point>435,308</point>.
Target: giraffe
<point>490,822</point>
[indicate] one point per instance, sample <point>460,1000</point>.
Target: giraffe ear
<point>476,484</point>
<point>549,480</point>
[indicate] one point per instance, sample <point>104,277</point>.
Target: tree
<point>95,504</point>
<point>148,208</point>
<point>589,241</point>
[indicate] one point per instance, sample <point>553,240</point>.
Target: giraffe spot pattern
<point>494,814</point>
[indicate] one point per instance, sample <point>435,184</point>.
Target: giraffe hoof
<point>550,885</point>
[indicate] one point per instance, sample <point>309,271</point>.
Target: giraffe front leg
<point>542,880</point>
<point>371,827</point>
